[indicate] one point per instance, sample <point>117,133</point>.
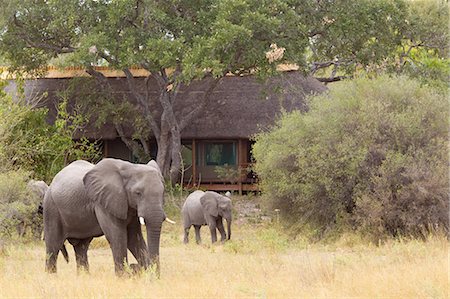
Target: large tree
<point>347,36</point>
<point>178,42</point>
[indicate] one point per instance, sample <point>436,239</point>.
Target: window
<point>186,154</point>
<point>219,153</point>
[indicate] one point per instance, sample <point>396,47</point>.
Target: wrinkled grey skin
<point>206,208</point>
<point>39,188</point>
<point>32,220</point>
<point>86,201</point>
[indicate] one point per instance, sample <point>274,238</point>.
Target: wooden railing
<point>244,179</point>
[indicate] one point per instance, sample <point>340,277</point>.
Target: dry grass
<point>263,265</point>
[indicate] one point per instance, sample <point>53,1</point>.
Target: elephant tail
<point>64,253</point>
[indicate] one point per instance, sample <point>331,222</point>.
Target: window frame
<point>201,159</point>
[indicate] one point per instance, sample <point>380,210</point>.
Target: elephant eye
<point>138,193</point>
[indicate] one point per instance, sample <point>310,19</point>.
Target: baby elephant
<point>206,208</point>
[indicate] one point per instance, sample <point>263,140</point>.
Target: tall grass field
<point>259,262</point>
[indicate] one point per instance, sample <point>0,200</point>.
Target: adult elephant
<point>86,201</point>
<point>206,208</point>
<point>39,188</point>
<point>33,220</point>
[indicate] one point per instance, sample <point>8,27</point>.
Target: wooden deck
<point>240,188</point>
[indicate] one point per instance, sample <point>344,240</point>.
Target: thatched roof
<point>239,106</point>
<point>242,106</point>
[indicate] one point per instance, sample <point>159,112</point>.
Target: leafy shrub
<point>29,143</point>
<point>369,155</point>
<point>31,147</point>
<point>174,197</point>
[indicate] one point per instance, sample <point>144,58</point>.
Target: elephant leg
<point>198,239</point>
<point>81,247</point>
<point>136,244</point>
<point>54,237</point>
<point>186,235</point>
<point>219,224</point>
<point>53,246</point>
<point>115,231</point>
<point>212,228</point>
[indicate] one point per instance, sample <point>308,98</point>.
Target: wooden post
<point>194,162</point>
<point>240,164</point>
<point>105,149</point>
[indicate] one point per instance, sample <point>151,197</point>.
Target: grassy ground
<point>259,262</point>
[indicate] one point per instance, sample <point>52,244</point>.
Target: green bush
<point>29,143</point>
<point>31,147</point>
<point>370,155</point>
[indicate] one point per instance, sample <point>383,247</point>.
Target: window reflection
<point>220,153</point>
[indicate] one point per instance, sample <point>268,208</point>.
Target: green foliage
<point>423,53</point>
<point>97,108</point>
<point>353,32</point>
<point>29,143</point>
<point>198,38</point>
<point>195,37</point>
<point>174,197</point>
<point>348,37</point>
<point>228,173</point>
<point>60,22</point>
<point>369,155</point>
<point>428,68</point>
<point>426,26</point>
<point>30,147</point>
<point>177,41</point>
<point>182,41</point>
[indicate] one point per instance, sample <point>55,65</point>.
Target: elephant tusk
<point>170,221</point>
<point>141,220</point>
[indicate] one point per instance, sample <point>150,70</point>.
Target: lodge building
<point>216,147</point>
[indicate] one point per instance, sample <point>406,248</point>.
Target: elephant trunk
<point>153,225</point>
<point>228,228</point>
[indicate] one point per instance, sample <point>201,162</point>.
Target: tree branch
<point>100,78</point>
<point>41,45</point>
<point>320,65</point>
<point>131,144</point>
<point>332,79</point>
<point>145,146</point>
<point>103,81</point>
<point>197,110</point>
<point>143,102</point>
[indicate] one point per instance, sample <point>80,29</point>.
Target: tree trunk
<point>175,155</point>
<point>162,157</point>
<point>167,129</point>
<point>169,152</point>
<point>169,141</point>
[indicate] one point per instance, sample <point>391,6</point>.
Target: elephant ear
<point>104,185</point>
<point>38,187</point>
<point>153,164</point>
<point>224,203</point>
<point>209,203</point>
